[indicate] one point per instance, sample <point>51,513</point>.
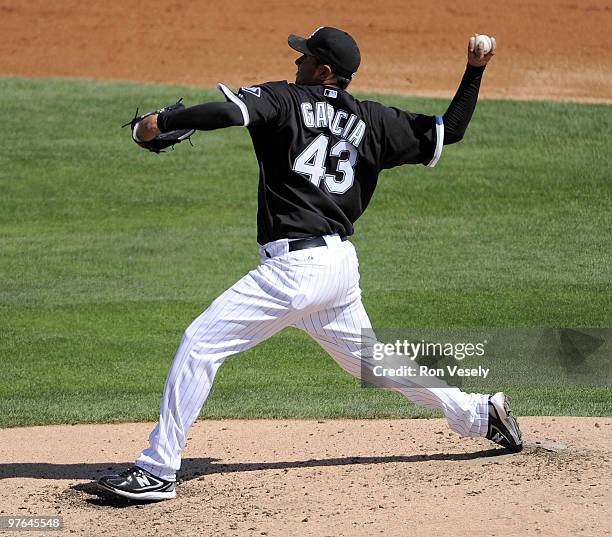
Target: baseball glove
<point>165,139</point>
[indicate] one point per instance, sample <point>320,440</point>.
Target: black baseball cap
<point>331,46</point>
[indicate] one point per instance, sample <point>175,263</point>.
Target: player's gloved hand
<point>476,55</point>
<point>147,135</point>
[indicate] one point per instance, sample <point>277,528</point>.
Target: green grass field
<point>108,252</point>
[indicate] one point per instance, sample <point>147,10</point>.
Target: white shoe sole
<point>140,496</point>
<point>501,407</point>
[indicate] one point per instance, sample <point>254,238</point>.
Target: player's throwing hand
<point>476,52</point>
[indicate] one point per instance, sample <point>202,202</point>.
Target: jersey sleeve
<point>260,105</point>
<point>409,138</point>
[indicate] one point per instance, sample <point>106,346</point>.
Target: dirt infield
<point>392,477</point>
<point>339,477</point>
<point>547,48</point>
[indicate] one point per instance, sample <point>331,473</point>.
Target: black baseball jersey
<point>320,151</point>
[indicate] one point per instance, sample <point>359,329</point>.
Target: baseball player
<point>320,152</point>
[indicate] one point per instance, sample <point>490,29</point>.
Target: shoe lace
<point>131,470</point>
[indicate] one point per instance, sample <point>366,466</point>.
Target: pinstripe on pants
<point>316,290</point>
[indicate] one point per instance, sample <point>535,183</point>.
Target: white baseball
<point>486,42</point>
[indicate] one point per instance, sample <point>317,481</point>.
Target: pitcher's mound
<point>338,477</point>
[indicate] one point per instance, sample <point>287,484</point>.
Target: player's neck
<point>331,82</point>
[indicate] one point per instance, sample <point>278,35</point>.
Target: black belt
<point>311,242</point>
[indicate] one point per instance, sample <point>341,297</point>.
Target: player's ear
<point>325,72</point>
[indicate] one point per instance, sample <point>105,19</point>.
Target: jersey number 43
<point>311,164</point>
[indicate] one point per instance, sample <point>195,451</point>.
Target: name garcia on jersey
<point>340,123</point>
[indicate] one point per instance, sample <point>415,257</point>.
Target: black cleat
<point>503,427</point>
<point>138,484</point>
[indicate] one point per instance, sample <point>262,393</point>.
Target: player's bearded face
<point>308,70</point>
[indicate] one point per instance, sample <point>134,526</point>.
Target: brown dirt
<point>393,477</point>
<point>548,49</point>
<point>338,477</point>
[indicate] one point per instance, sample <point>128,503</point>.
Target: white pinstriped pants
<point>316,290</point>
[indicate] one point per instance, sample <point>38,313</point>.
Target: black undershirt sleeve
<point>202,117</point>
<point>462,106</point>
